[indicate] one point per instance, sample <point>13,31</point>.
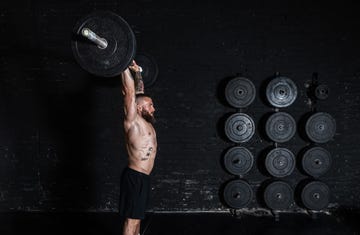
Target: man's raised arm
<point>128,90</point>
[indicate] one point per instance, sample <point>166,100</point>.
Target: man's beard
<point>147,116</point>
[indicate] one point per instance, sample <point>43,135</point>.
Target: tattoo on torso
<point>148,153</point>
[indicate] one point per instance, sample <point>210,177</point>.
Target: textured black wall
<point>61,140</point>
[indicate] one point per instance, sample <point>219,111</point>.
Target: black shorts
<point>134,194</point>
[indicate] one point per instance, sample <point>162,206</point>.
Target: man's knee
<point>131,226</point>
<point>132,222</point>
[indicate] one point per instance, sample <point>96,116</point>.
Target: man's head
<point>145,107</point>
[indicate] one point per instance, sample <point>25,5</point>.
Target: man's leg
<point>138,229</point>
<point>131,227</point>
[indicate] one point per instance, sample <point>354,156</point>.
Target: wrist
<point>138,74</point>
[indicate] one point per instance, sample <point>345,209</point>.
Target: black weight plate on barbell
<point>281,92</point>
<point>119,53</point>
<point>320,127</point>
<point>240,92</point>
<point>237,194</point>
<point>280,127</point>
<point>278,195</point>
<point>239,127</point>
<point>149,67</point>
<point>322,92</point>
<point>238,160</point>
<point>316,161</point>
<point>280,162</point>
<point>315,195</point>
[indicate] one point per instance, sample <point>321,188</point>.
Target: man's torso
<point>141,145</point>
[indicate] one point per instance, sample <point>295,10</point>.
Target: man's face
<point>147,109</point>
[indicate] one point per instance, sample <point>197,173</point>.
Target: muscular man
<point>141,147</point>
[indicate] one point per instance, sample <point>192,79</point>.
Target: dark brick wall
<point>61,141</point>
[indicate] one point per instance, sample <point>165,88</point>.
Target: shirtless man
<point>141,147</point>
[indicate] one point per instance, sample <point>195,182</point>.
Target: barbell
<point>104,45</point>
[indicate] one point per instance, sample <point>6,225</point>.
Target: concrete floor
<point>178,224</point>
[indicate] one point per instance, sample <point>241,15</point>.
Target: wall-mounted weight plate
<point>240,92</point>
<point>149,67</point>
<point>316,161</point>
<point>281,92</point>
<point>121,44</point>
<point>237,194</point>
<point>238,160</point>
<point>239,127</point>
<point>278,195</point>
<point>322,92</point>
<point>320,127</point>
<point>315,195</point>
<point>280,162</point>
<point>280,127</point>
